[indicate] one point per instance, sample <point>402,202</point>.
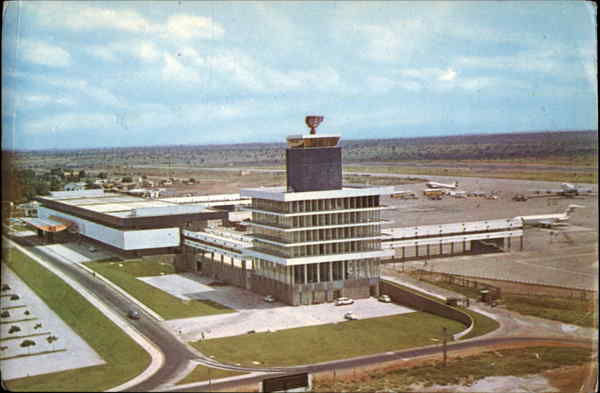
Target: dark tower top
<point>314,162</point>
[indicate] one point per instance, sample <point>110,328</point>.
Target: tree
<point>82,174</point>
<point>127,179</point>
<point>102,175</point>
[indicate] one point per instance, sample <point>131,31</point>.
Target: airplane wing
<point>546,223</point>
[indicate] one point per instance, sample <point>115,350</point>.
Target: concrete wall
<point>410,299</point>
<point>223,271</point>
<point>123,240</point>
<point>314,293</point>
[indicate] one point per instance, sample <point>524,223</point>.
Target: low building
<point>127,224</point>
<point>79,186</point>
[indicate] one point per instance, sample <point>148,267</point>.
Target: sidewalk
<point>155,353</point>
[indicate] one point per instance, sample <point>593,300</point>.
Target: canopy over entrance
<point>47,224</point>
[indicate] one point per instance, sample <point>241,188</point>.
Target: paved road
<point>178,355</point>
<point>390,356</point>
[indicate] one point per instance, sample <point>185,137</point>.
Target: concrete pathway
<point>78,353</point>
<point>253,312</point>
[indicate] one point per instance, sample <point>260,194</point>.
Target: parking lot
<point>253,312</point>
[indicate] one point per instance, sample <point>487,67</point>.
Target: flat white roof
<point>280,193</point>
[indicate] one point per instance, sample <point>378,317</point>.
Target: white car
<point>93,249</point>
<point>349,316</point>
<point>269,299</point>
<point>341,301</point>
<point>384,299</point>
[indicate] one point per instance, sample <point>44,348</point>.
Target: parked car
<point>132,314</point>
<point>350,316</point>
<point>269,299</point>
<point>341,301</point>
<point>384,299</point>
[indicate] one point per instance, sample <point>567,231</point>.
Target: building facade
<point>315,240</point>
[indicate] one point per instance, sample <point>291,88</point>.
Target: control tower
<point>314,162</point>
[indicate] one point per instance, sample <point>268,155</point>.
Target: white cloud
<point>78,17</point>
<point>89,18</point>
<point>448,75</point>
<point>173,70</point>
<point>69,121</point>
<point>188,26</point>
<point>35,101</point>
<point>147,51</point>
<point>39,52</point>
<point>102,52</point>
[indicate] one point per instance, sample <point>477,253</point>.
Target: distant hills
<point>556,144</point>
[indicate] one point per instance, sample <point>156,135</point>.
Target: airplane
<point>433,184</point>
<point>549,220</point>
<point>566,189</point>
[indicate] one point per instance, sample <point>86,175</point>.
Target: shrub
<point>37,326</point>
<point>27,312</point>
<point>14,297</point>
<point>5,287</point>
<point>14,329</point>
<point>4,314</point>
<point>27,343</point>
<point>51,339</point>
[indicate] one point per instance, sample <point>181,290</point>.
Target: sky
<point>114,73</point>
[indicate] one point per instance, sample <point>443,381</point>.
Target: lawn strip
<point>481,323</point>
<point>574,311</point>
<point>25,336</point>
<point>203,373</point>
<point>30,354</point>
<point>18,320</point>
<point>166,305</point>
<point>462,370</point>
<point>314,344</point>
<point>124,357</point>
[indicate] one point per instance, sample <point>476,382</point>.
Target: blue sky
<point>102,74</point>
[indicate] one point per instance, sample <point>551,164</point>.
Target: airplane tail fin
<point>572,208</point>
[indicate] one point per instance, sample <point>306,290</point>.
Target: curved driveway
<point>177,355</point>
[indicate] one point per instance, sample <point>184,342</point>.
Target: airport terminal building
<point>311,241</point>
<point>128,225</point>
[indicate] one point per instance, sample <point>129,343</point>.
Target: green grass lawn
<point>166,305</point>
<point>143,268</point>
<point>481,324</point>
<point>313,344</point>
<point>124,358</point>
<point>465,370</point>
<point>572,311</point>
<point>202,373</point>
<point>566,310</point>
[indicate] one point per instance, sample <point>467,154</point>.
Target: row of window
<point>318,272</point>
<point>341,218</point>
<point>316,204</point>
<point>318,249</point>
<point>318,234</point>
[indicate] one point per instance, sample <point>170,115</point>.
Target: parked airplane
<point>433,184</point>
<point>549,220</point>
<point>566,189</point>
